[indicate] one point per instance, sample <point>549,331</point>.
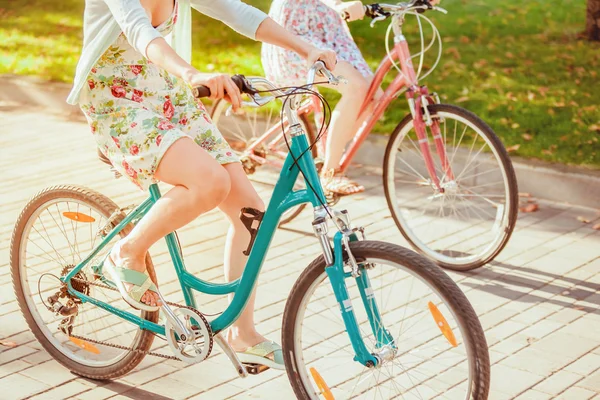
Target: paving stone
<point>576,393</point>
<point>592,382</point>
<point>164,386</point>
<point>558,382</point>
<point>62,392</point>
<point>12,367</point>
<point>533,394</point>
<point>99,393</point>
<point>17,386</point>
<point>512,381</point>
<point>50,373</point>
<point>585,365</point>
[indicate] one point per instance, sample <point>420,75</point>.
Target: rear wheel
<point>467,223</point>
<point>243,129</point>
<point>440,345</point>
<point>55,231</point>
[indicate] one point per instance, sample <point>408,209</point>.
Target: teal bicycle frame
<point>283,198</point>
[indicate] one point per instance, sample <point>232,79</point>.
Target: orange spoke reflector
<point>325,391</point>
<point>441,323</point>
<point>79,217</point>
<point>87,346</point>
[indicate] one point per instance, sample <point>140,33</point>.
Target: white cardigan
<point>104,20</point>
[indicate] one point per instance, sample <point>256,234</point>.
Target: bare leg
<point>242,333</point>
<point>201,184</point>
<point>344,116</point>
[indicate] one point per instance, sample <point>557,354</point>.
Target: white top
<point>104,20</point>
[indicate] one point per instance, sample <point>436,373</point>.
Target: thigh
<point>242,193</point>
<point>187,164</point>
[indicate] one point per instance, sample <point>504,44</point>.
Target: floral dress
<point>316,23</point>
<point>136,110</point>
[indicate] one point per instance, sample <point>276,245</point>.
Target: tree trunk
<point>592,27</point>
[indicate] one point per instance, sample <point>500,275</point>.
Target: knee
<point>211,189</point>
<point>255,202</point>
<point>358,85</point>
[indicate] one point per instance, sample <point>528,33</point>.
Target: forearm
<point>163,55</point>
<point>271,32</point>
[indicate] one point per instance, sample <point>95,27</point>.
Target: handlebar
<point>240,81</point>
<point>246,85</point>
<point>381,11</point>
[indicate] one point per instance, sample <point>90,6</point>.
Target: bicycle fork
<point>359,272</point>
<point>419,107</point>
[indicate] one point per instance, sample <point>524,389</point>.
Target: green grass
<point>518,65</point>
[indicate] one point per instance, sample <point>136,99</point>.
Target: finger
<point>213,89</point>
<point>234,94</point>
<point>221,87</point>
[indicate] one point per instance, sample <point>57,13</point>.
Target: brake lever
<point>258,101</point>
<point>377,19</point>
<point>440,9</point>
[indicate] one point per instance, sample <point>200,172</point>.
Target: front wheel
<point>467,220</point>
<point>440,347</point>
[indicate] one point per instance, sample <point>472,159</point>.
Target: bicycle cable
<point>296,91</point>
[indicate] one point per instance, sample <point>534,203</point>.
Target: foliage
<point>518,65</point>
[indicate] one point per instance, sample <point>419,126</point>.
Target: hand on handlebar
<point>221,87</point>
<point>328,57</point>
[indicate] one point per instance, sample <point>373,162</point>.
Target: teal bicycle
<point>365,319</point>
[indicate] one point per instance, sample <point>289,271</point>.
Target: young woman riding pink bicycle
<point>448,180</point>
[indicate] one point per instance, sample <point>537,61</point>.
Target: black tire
<point>506,165</point>
<point>420,266</point>
<point>215,114</point>
<point>143,339</point>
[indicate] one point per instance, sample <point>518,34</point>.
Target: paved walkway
<point>539,302</point>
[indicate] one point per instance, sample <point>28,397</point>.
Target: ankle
<point>127,250</point>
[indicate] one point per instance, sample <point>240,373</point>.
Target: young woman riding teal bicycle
<point>361,310</point>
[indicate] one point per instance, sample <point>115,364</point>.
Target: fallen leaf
<point>565,293</point>
<point>563,138</point>
<point>594,127</point>
<point>462,99</point>
<point>524,194</point>
<point>527,136</point>
<point>8,344</point>
<point>547,152</point>
<point>583,219</point>
<point>515,125</point>
<point>532,207</point>
<point>513,148</point>
<point>596,227</point>
<point>579,308</point>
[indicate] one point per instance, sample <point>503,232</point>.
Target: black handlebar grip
<point>239,80</point>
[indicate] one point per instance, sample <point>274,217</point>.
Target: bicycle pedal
<point>255,369</point>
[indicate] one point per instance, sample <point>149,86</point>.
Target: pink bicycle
<point>448,180</point>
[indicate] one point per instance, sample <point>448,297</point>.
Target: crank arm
<point>180,328</point>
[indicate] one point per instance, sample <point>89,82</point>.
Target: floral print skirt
<point>136,110</point>
<point>318,24</point>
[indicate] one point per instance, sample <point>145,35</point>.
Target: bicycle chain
<point>148,353</point>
